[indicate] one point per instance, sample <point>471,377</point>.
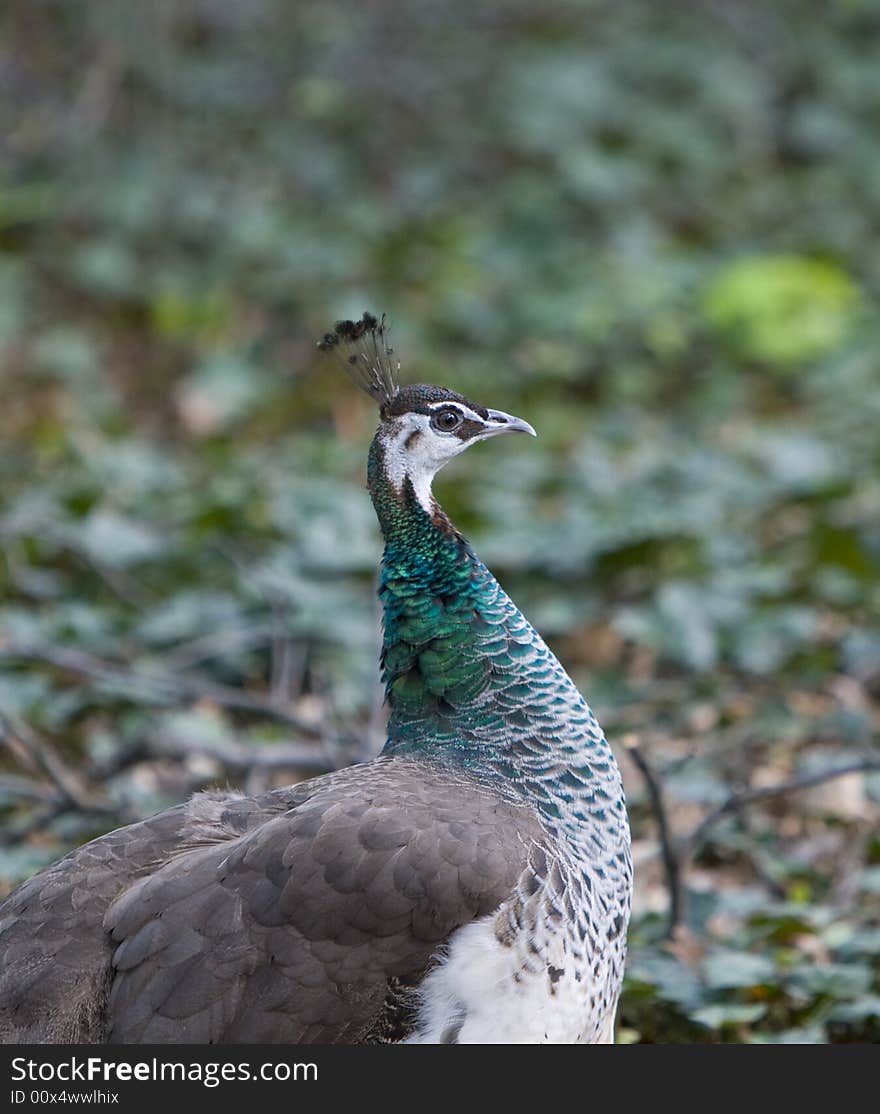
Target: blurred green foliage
<point>782,310</point>
<point>650,229</point>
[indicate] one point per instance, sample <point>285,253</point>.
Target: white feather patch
<point>485,993</point>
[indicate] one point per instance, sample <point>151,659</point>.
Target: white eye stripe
<point>465,411</point>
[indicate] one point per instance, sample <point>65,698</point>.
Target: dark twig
<point>123,586</point>
<point>218,643</point>
<point>688,846</point>
<point>12,834</point>
<point>40,755</point>
<point>54,810</point>
<point>288,657</point>
<point>288,660</point>
<point>671,860</point>
<point>737,801</point>
<point>677,853</point>
<point>120,759</point>
<point>243,757</point>
<point>28,789</point>
<point>65,794</point>
<point>159,688</point>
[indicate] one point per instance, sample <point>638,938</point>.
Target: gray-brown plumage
<point>286,918</point>
<point>471,884</point>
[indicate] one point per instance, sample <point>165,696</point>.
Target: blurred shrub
<point>782,310</point>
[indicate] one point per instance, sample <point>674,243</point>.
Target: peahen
<point>471,884</point>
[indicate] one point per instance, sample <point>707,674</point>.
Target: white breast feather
<point>483,994</point>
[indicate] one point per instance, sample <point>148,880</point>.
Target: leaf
<point>728,1013</point>
<point>728,969</point>
<point>670,979</point>
<point>219,392</point>
<point>869,880</point>
<point>69,354</point>
<point>114,539</point>
<point>802,1034</point>
<point>190,614</point>
<point>19,863</point>
<point>859,1009</point>
<point>835,980</point>
<point>782,309</point>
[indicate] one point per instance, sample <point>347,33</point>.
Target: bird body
<point>470,885</point>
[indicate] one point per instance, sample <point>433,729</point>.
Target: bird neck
<point>467,679</point>
<point>431,586</point>
<point>433,591</point>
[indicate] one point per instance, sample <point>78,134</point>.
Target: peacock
<point>471,884</point>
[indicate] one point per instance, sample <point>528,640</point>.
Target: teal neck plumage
<point>431,587</point>
<point>467,678</point>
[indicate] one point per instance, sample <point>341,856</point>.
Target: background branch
<point>159,688</point>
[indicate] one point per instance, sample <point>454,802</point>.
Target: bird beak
<point>499,422</point>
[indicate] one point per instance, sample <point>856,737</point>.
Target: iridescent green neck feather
<point>467,678</point>
<point>432,587</point>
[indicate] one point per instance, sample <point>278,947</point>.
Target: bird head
<point>422,427</point>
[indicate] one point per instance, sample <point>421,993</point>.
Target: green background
<point>650,229</point>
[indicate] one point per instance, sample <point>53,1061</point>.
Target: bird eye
<point>446,420</point>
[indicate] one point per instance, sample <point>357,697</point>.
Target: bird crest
<point>363,350</point>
